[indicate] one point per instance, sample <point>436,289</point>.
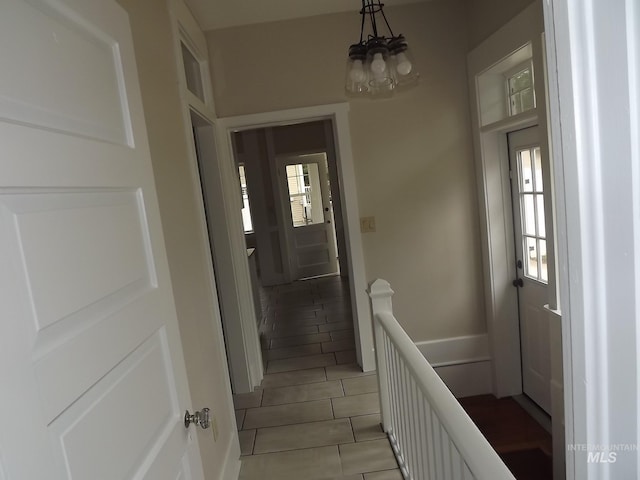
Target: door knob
<point>198,418</point>
<point>518,282</point>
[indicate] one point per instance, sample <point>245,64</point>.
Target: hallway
<point>316,415</point>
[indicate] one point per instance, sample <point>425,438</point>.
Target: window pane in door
<point>526,174</point>
<point>542,249</point>
<point>305,197</point>
<point>528,214</point>
<point>531,258</point>
<point>540,215</point>
<point>538,169</point>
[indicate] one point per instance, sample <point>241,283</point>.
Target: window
<point>305,196</point>
<point>532,214</point>
<point>192,72</point>
<point>521,95</point>
<point>246,210</point>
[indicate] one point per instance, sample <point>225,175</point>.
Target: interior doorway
<point>530,239</point>
<point>242,342</point>
<point>335,121</point>
<point>296,219</point>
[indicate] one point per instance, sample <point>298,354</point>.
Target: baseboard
<point>534,411</point>
<point>463,363</point>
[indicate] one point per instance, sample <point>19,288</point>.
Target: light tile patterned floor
<point>316,415</point>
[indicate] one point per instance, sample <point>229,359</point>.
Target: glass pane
<point>530,258</point>
<point>246,210</point>
<point>305,195</point>
<point>192,73</point>
<point>516,107</point>
<point>527,99</point>
<point>520,81</point>
<point>526,175</point>
<point>543,260</point>
<point>538,170</point>
<point>540,213</point>
<point>528,215</point>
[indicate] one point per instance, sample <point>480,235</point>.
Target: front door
<point>308,216</point>
<point>529,193</point>
<point>91,368</point>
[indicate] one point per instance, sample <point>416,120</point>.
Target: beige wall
<point>413,158</point>
<point>205,360</point>
<point>485,17</point>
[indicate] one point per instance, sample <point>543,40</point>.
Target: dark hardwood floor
<point>521,442</point>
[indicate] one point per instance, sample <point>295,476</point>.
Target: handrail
<point>432,435</point>
<point>482,460</point>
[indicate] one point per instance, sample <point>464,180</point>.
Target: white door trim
<point>492,172</point>
<point>596,143</point>
<point>339,115</point>
<point>242,341</point>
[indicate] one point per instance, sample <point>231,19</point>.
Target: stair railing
<point>432,436</point>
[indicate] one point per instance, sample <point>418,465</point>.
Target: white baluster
<point>380,293</point>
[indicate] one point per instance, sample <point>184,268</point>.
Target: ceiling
<point>213,14</point>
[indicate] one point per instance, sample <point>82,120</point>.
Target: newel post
<point>380,294</point>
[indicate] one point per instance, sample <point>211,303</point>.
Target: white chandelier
<point>378,64</point>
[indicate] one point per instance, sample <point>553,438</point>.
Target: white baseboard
<point>463,363</point>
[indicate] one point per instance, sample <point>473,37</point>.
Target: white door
<point>531,263</point>
<point>91,368</point>
<point>304,183</point>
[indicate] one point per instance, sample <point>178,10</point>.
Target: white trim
<point>456,350</point>
<point>467,379</point>
<point>186,29</point>
<point>339,115</point>
<point>242,345</point>
<point>494,190</point>
<point>595,141</point>
<point>463,363</point>
<point>183,23</point>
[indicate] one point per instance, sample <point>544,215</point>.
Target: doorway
<point>336,121</point>
<point>530,240</point>
<point>296,213</point>
<point>242,343</point>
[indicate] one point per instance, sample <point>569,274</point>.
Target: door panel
<point>72,52</point>
<point>308,216</point>
<point>127,413</point>
<point>531,264</point>
<point>94,384</point>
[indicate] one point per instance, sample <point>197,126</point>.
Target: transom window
<point>192,72</point>
<point>532,214</point>
<point>520,89</point>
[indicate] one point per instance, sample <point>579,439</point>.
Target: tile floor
<point>316,415</point>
